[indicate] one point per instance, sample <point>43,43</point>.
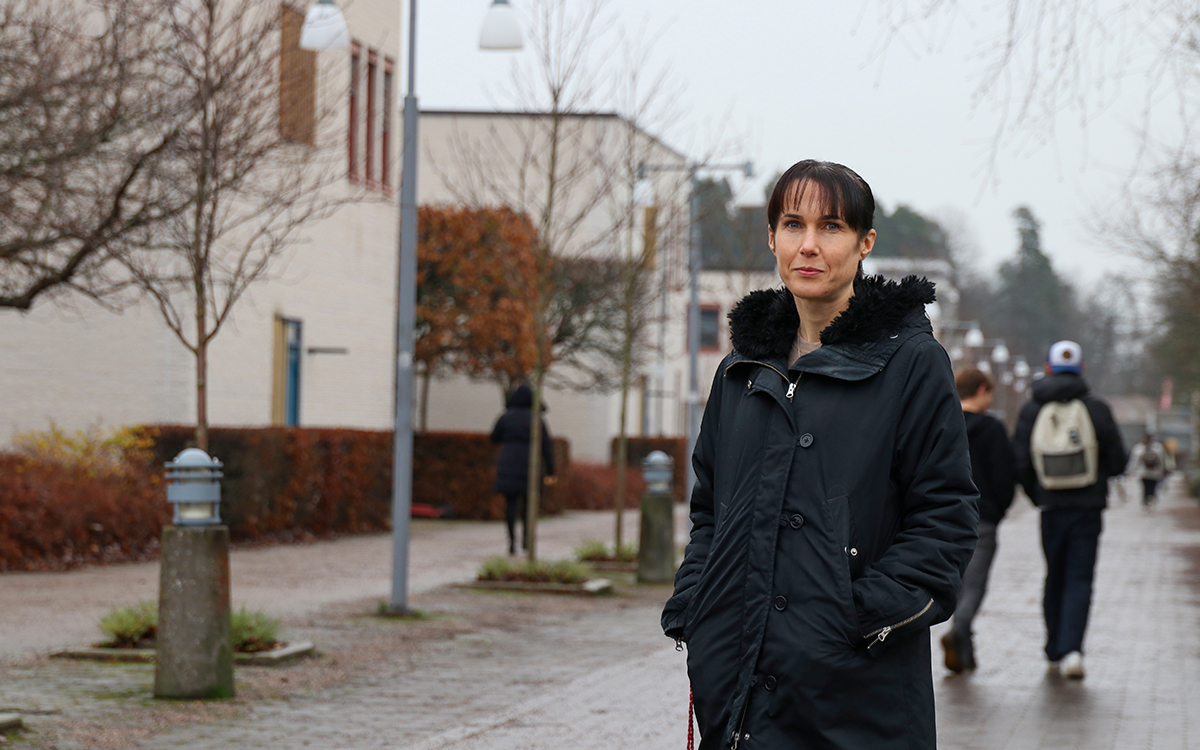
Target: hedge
<point>594,487</point>
<point>638,448</point>
<point>279,484</point>
<point>55,516</point>
<point>285,480</point>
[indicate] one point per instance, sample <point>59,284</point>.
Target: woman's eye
<point>832,226</point>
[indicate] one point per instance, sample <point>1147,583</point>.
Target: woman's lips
<point>808,273</point>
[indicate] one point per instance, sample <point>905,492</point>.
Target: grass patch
<point>136,626</point>
<point>252,631</point>
<point>130,627</point>
<point>538,571</point>
<point>594,550</point>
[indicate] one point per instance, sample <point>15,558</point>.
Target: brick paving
<point>600,675</point>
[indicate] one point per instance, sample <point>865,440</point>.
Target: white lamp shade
<point>501,28</point>
<point>324,28</point>
<point>974,337</point>
<point>1000,354</point>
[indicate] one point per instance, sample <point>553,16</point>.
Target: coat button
<point>796,521</point>
<point>770,683</point>
<point>854,551</point>
<point>780,603</point>
<point>806,440</point>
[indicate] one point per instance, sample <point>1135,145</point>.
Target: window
<point>710,327</point>
<point>371,124</point>
<point>352,134</point>
<point>385,133</point>
<point>372,66</point>
<point>297,81</point>
<point>285,388</point>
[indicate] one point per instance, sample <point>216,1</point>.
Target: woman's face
<point>817,253</point>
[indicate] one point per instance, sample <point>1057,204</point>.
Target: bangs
<point>828,197</point>
<point>839,190</point>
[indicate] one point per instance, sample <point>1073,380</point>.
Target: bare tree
<point>547,165</point>
<point>84,125</point>
<point>1056,57</point>
<point>254,162</point>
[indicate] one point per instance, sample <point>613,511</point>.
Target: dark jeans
<point>1149,488</point>
<point>1070,539</point>
<point>514,510</point>
<point>974,582</point>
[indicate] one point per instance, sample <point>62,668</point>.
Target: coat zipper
<point>791,391</point>
<point>737,733</point>
<point>881,635</point>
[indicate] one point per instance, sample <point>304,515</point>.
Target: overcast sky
<point>799,79</point>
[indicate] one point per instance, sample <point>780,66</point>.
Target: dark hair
<point>846,195</point>
<point>968,380</point>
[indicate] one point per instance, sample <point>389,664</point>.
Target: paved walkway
<point>600,675</point>
<point>43,611</point>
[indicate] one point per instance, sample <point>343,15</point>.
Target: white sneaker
<point>1072,666</point>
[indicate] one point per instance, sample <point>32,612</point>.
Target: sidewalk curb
<point>147,655</point>
<point>593,587</point>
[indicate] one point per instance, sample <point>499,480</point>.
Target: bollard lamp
<point>194,488</point>
<point>658,470</point>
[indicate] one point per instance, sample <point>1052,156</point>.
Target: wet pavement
<point>509,672</point>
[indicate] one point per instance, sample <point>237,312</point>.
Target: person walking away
<point>512,431</point>
<point>1067,445</point>
<point>994,475</point>
<point>833,512</point>
<point>1148,462</point>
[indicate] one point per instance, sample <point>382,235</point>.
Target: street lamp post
<point>693,393</point>
<point>501,31</point>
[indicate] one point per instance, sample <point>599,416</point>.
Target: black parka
<point>512,431</point>
<point>833,516</point>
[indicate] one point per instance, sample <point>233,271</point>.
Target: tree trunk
<point>534,488</point>
<point>423,412</point>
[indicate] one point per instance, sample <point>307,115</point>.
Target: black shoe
<point>959,652</point>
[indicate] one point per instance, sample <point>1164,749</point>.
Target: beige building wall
<point>80,365</point>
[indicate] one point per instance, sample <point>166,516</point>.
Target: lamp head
<point>501,29</point>
<point>324,28</point>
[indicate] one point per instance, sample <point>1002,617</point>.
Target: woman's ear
<point>867,245</point>
<point>771,239</point>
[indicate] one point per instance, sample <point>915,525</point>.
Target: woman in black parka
<point>512,431</point>
<point>833,512</point>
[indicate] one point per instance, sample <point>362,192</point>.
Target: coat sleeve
<point>915,582</point>
<point>1112,448</point>
<point>703,518</point>
<point>547,450</point>
<point>1003,476</point>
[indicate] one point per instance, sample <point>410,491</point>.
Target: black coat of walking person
<point>833,512</point>
<point>512,431</point>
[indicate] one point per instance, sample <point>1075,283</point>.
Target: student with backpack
<point>1148,462</point>
<point>1066,447</point>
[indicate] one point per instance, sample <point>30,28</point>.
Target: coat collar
<point>882,315</point>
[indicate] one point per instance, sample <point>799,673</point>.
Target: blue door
<point>292,407</point>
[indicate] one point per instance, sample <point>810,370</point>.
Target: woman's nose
<point>808,245</point>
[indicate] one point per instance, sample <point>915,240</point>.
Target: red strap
<point>691,729</point>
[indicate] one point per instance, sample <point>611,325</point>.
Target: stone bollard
<point>656,547</point>
<point>194,651</point>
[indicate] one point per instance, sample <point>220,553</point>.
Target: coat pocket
<point>844,552</point>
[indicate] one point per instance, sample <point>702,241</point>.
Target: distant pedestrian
<point>833,512</point>
<point>1067,446</point>
<point>1148,462</point>
<point>994,474</point>
<point>512,431</point>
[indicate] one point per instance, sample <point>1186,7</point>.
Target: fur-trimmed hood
<point>881,316</point>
